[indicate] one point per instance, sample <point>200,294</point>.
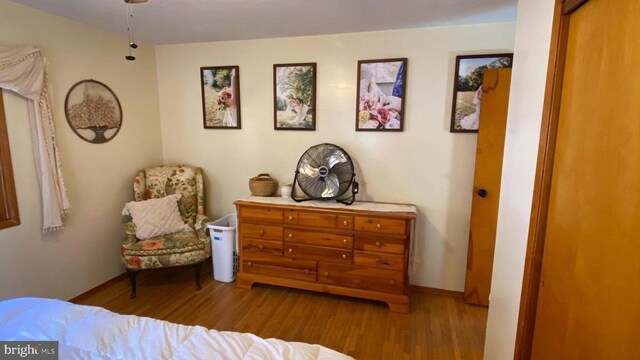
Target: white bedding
<point>87,332</point>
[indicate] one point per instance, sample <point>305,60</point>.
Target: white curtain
<point>23,70</point>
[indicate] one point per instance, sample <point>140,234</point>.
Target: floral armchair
<point>187,247</point>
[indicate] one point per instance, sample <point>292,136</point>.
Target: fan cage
<point>350,182</point>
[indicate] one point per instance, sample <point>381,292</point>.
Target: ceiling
<point>188,21</point>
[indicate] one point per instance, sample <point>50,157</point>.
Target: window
<point>8,201</point>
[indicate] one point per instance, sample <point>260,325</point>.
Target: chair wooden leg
<point>198,270</point>
<point>132,278</point>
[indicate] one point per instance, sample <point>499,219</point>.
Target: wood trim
<point>91,292</point>
<point>436,291</point>
<point>542,182</point>
<point>8,188</point>
<point>569,6</point>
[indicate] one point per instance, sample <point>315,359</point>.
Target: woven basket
<point>263,185</point>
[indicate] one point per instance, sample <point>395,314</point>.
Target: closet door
<point>589,292</point>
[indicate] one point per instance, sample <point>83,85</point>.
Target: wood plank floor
<point>439,327</point>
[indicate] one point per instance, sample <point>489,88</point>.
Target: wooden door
<point>588,304</point>
<point>486,184</point>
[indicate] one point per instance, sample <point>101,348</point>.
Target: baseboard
<point>434,291</point>
<point>99,287</point>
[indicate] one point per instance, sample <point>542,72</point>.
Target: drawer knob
<point>249,263</point>
<point>290,250</point>
<point>261,247</point>
<point>377,260</point>
<point>345,223</point>
<point>290,236</point>
<point>261,232</point>
<point>379,226</point>
<point>326,273</point>
<point>345,241</point>
<point>392,282</point>
<point>306,271</point>
<point>344,256</point>
<point>378,244</point>
<point>290,218</point>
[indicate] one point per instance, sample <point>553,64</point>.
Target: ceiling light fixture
<point>130,33</point>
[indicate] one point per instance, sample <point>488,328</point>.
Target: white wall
<point>99,177</point>
<point>425,165</point>
<point>533,37</point>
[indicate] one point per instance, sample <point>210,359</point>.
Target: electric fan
<point>325,172</point>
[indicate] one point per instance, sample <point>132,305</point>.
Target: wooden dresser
<point>359,250</point>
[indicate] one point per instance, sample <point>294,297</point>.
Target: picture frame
<point>467,88</point>
<point>381,94</point>
<point>93,111</point>
<point>220,86</point>
<point>294,96</point>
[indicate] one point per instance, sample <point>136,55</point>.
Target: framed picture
<point>294,96</point>
<point>220,97</point>
<point>381,94</point>
<point>93,111</point>
<point>467,88</point>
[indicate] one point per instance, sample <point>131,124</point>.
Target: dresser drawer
<point>379,260</point>
<point>280,267</point>
<point>317,253</point>
<point>260,214</point>
<point>256,246</point>
<point>318,238</point>
<point>364,242</point>
<point>291,217</point>
<point>361,277</point>
<point>344,222</point>
<point>306,218</point>
<point>380,225</point>
<point>260,231</point>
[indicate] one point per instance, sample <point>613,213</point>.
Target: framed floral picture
<point>467,89</point>
<point>220,97</point>
<point>381,94</point>
<point>294,96</point>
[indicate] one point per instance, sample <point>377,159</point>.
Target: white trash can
<point>224,248</point>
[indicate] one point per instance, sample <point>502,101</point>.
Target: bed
<point>87,332</point>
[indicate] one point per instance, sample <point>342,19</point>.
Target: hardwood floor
<point>438,327</point>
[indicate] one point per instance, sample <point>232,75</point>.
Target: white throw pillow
<point>155,217</point>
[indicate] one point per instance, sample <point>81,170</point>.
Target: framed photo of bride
<point>294,96</point>
<point>220,97</point>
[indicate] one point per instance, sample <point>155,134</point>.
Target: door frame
<point>544,171</point>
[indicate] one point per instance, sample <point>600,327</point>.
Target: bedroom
<point>162,123</point>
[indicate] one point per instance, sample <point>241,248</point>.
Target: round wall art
<point>93,111</point>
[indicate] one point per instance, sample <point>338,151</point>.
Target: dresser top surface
<point>363,206</point>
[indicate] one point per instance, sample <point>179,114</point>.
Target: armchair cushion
<point>155,217</point>
<point>180,248</point>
